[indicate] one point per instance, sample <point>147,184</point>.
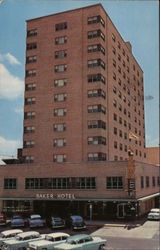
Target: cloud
<point>9,147</point>
<point>11,86</point>
<point>10,58</point>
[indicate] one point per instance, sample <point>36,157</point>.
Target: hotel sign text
<point>56,196</point>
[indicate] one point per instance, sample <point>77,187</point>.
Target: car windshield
<point>71,241</point>
<point>77,218</point>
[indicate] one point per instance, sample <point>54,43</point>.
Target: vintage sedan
<point>75,222</point>
<point>17,221</point>
<point>49,241</point>
<point>55,222</point>
<point>153,216</point>
<point>8,234</point>
<point>35,220</point>
<point>22,240</point>
<point>82,242</point>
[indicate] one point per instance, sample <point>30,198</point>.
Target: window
<point>10,183</point>
<point>60,112</point>
<point>61,26</point>
<point>60,68</point>
<point>119,69</point>
<point>96,124</point>
<point>32,32</point>
<point>96,19</point>
<point>61,40</point>
<point>60,127</point>
<point>120,146</point>
<point>113,37</point>
<point>96,109</point>
<point>114,63</point>
<point>119,45</point>
<point>30,73</point>
<point>29,115</point>
<point>95,63</point>
<point>30,86</point>
<point>61,54</point>
<point>96,78</point>
<point>30,100</point>
<point>120,107</point>
<point>115,144</point>
<point>31,46</point>
<point>29,129</point>
<point>96,156</point>
<point>114,76</point>
<point>114,89</point>
<point>114,103</point>
<point>119,57</point>
<point>125,136</point>
<point>147,181</point>
<point>115,131</point>
<point>153,181</point>
<point>158,181</point>
<point>120,133</point>
<point>59,158</point>
<point>29,159</point>
<point>96,33</point>
<point>31,59</point>
<point>60,82</point>
<point>28,144</point>
<point>59,142</point>
<point>123,52</point>
<point>114,182</point>
<point>114,117</point>
<point>95,140</point>
<point>96,93</point>
<point>119,94</point>
<point>60,97</point>
<point>120,120</point>
<point>95,48</point>
<point>61,183</point>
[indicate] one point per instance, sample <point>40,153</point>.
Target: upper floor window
<point>29,144</point>
<point>113,37</point>
<point>95,48</point>
<point>95,63</point>
<point>10,183</point>
<point>32,32</point>
<point>96,124</point>
<point>96,109</point>
<point>147,181</point>
<point>96,19</point>
<point>61,54</point>
<point>60,82</point>
<point>61,40</point>
<point>60,68</point>
<point>153,181</point>
<point>31,59</point>
<point>96,33</point>
<point>30,73</point>
<point>60,97</point>
<point>30,86</point>
<point>96,78</point>
<point>61,26</point>
<point>60,127</point>
<point>60,112</point>
<point>29,129</point>
<point>29,115</point>
<point>96,156</point>
<point>96,93</point>
<point>59,142</point>
<point>59,158</point>
<point>31,46</point>
<point>29,159</point>
<point>30,100</point>
<point>114,182</point>
<point>95,140</point>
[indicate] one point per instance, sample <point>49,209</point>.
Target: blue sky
<point>137,22</point>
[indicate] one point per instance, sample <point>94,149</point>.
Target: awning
<point>149,197</point>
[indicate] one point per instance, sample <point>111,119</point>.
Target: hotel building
<point>83,113</point>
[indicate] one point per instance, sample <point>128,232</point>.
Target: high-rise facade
<point>83,90</point>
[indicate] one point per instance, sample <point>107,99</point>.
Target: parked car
<point>17,221</point>
<point>49,241</point>
<point>8,234</point>
<point>55,222</point>
<point>83,242</point>
<point>22,240</point>
<point>3,220</point>
<point>75,222</point>
<point>153,216</point>
<point>35,220</point>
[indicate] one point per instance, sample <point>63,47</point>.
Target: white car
<point>49,242</point>
<point>153,216</point>
<point>8,234</point>
<point>22,240</point>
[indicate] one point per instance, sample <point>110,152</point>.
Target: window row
<point>96,19</point>
<point>145,181</point>
<point>98,108</point>
<point>97,156</point>
<point>96,63</point>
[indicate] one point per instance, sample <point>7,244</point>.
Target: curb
<point>113,225</point>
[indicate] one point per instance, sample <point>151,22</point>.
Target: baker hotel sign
<point>63,196</point>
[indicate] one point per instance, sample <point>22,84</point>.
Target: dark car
<point>17,221</point>
<point>3,221</point>
<point>55,222</point>
<point>75,222</point>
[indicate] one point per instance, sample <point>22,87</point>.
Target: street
<point>144,237</point>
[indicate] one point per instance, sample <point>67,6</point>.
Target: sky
<point>137,22</point>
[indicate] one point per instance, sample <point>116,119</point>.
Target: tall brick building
<point>83,112</point>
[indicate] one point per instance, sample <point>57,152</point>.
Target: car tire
<point>101,247</point>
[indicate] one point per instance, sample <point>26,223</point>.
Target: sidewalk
<point>115,223</point>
